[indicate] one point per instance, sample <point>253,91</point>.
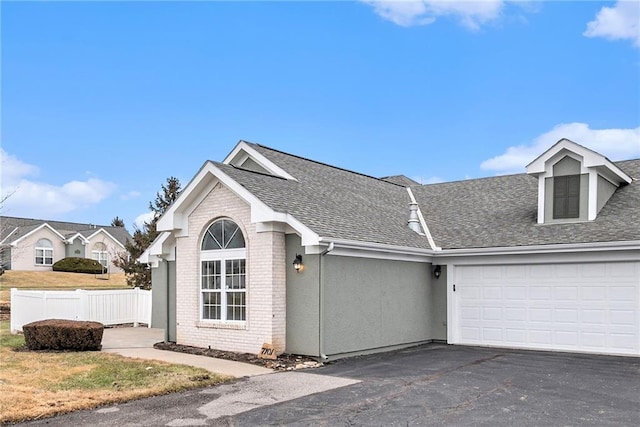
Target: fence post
<point>83,312</point>
<point>136,304</point>
<point>13,322</point>
<point>149,311</point>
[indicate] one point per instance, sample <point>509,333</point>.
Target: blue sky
<point>102,101</point>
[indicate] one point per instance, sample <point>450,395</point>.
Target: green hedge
<point>78,265</point>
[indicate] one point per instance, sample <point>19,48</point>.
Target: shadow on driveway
<point>456,385</point>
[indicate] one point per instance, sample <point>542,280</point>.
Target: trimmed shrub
<point>59,334</point>
<point>78,265</point>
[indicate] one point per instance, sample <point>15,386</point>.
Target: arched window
<point>99,253</point>
<point>44,252</point>
<point>223,272</point>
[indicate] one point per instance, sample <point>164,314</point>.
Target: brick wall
<point>265,286</point>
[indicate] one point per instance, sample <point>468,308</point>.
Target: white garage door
<point>591,307</point>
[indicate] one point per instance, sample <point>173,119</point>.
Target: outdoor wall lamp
<point>437,271</point>
<point>297,263</point>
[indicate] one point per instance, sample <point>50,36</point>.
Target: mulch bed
<point>284,362</point>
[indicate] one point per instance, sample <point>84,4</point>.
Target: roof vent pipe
<point>414,221</point>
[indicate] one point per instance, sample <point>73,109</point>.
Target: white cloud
<point>620,22</point>
<point>13,169</point>
<point>133,194</point>
<point>406,13</point>
<point>142,218</point>
<point>27,197</point>
<point>616,144</point>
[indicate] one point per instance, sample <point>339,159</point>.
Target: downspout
<point>323,356</point>
<point>166,329</point>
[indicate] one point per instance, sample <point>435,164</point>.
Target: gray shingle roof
<point>24,226</point>
<point>502,212</point>
<point>333,202</point>
<point>403,180</point>
<point>479,213</point>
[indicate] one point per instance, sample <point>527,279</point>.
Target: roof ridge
<point>482,178</point>
<point>89,225</point>
<point>324,164</point>
<point>505,176</point>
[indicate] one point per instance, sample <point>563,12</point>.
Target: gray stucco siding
<point>438,305</point>
<point>302,301</point>
<point>76,249</point>
<point>163,310</point>
<point>371,304</point>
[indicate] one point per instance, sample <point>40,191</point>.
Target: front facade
<point>268,247</point>
<point>35,245</point>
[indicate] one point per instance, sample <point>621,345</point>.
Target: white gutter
<point>380,247</point>
<point>543,249</point>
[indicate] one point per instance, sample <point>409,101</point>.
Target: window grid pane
<point>211,305</point>
<point>211,275</point>
<point>44,256</point>
<point>235,274</point>
<point>223,234</point>
<point>236,306</point>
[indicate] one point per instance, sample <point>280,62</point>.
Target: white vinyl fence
<point>107,307</point>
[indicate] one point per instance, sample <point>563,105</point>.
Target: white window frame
<point>223,255</point>
<point>45,250</point>
<point>102,256</point>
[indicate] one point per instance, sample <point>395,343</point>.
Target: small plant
<point>56,334</point>
<point>78,265</point>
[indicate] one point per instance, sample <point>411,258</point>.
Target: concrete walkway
<point>138,343</point>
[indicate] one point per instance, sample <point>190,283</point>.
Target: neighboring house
<point>269,247</point>
<point>36,244</point>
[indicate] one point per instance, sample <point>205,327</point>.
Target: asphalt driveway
<point>426,385</point>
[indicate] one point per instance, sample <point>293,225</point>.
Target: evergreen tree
<point>117,222</point>
<point>137,274</point>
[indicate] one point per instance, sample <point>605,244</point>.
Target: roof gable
<point>588,158</point>
<point>15,229</point>
<point>245,156</point>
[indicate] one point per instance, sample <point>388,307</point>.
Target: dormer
<point>574,182</point>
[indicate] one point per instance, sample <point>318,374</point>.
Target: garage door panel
<point>566,315</point>
<point>567,307</point>
<point>566,270</point>
<point>515,314</point>
<point>624,293</point>
<point>491,313</point>
<point>566,338</point>
<point>592,270</point>
<point>540,336</point>
<point>492,293</point>
<point>492,334</point>
<point>540,293</point>
<point>624,270</point>
<point>624,317</point>
<point>470,334</point>
<point>594,293</point>
<point>566,293</point>
<point>515,293</point>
